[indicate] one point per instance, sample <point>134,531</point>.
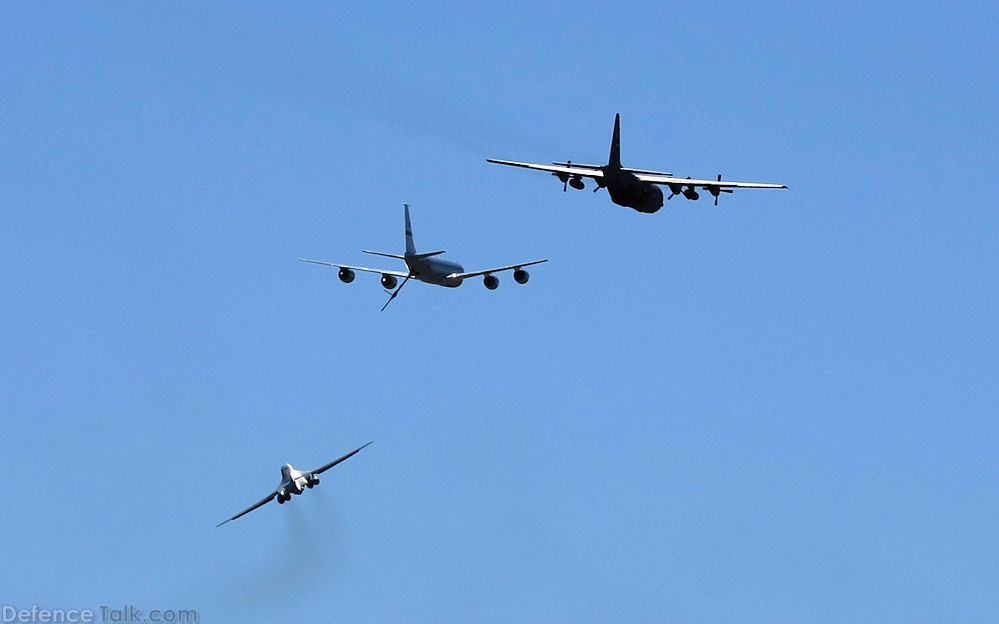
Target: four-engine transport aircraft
<point>633,188</point>
<point>425,267</point>
<point>292,482</point>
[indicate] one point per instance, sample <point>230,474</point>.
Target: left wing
<point>259,503</point>
<point>337,461</point>
<point>658,178</point>
<point>357,268</point>
<point>506,268</point>
<point>567,169</point>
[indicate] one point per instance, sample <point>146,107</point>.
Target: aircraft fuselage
<point>434,271</point>
<point>625,189</point>
<point>293,481</point>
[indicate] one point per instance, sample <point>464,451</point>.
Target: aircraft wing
<point>357,268</point>
<point>658,178</point>
<point>585,171</point>
<point>259,503</point>
<point>506,268</point>
<point>337,461</point>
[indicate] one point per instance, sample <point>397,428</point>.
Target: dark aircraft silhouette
<point>292,482</point>
<point>633,188</point>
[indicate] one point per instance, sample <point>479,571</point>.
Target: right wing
<point>660,178</point>
<point>337,461</point>
<point>566,169</point>
<point>356,268</point>
<point>259,503</point>
<point>496,270</point>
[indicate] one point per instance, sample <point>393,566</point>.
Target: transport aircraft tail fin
<point>615,152</point>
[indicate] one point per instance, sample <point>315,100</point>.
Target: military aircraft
<point>633,188</point>
<point>426,267</point>
<point>292,482</point>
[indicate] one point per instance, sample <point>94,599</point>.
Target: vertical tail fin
<point>615,153</point>
<point>410,247</point>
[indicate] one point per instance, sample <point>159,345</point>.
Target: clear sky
<point>782,409</point>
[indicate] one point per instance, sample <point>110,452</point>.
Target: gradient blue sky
<point>783,409</point>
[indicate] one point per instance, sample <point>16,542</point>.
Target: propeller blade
<point>718,191</point>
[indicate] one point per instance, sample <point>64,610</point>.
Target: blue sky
<point>782,409</point>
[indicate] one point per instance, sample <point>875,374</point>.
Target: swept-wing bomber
<point>633,188</point>
<point>292,482</point>
<point>426,267</point>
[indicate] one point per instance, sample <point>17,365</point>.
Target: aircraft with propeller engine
<point>633,188</point>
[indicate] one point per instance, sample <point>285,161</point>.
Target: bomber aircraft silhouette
<point>426,267</point>
<point>292,482</point>
<point>633,188</point>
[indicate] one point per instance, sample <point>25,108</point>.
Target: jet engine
<point>282,497</point>
<point>346,276</point>
<point>389,281</point>
<point>521,276</point>
<point>490,282</point>
<point>312,481</point>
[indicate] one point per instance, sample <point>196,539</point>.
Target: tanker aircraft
<point>633,188</point>
<point>426,267</point>
<point>292,482</point>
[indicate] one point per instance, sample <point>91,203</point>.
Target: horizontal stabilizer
<point>421,256</point>
<point>382,253</point>
<point>646,171</point>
